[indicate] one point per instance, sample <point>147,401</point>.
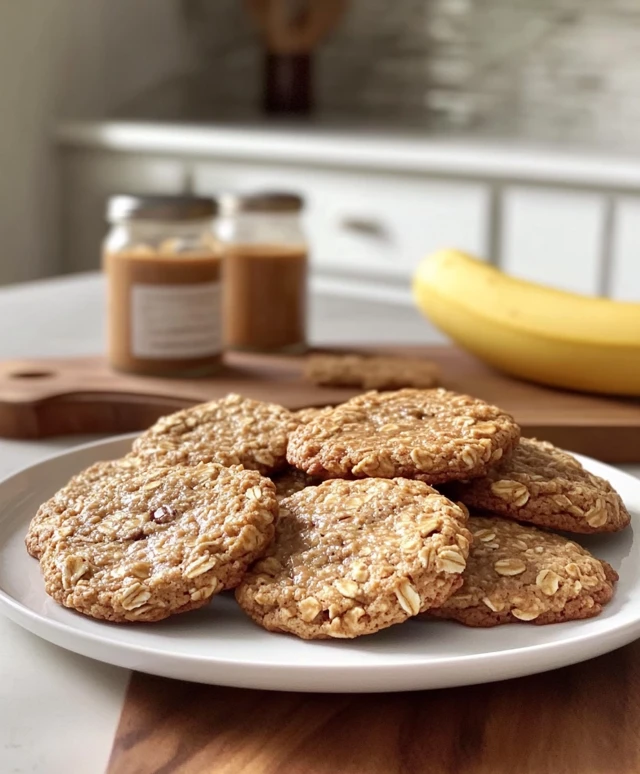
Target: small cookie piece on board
<point>160,541</point>
<point>353,557</point>
<point>230,431</point>
<point>434,435</point>
<point>375,372</point>
<point>519,573</point>
<point>543,485</point>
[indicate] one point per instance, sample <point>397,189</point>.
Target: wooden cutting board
<point>582,719</point>
<point>40,398</point>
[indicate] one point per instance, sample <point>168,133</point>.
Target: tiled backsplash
<point>546,69</point>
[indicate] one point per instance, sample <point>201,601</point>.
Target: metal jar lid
<point>160,207</point>
<point>260,201</point>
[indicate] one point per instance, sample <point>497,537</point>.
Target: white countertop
<point>401,151</point>
<point>59,711</point>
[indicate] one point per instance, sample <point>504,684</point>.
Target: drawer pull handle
<point>366,227</point>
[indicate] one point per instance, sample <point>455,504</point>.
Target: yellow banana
<point>531,331</point>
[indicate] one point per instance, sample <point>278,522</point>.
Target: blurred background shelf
<point>377,201</point>
<point>507,129</point>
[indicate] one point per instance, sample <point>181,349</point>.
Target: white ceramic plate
<point>221,645</point>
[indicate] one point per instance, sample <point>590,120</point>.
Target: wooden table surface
<point>583,719</point>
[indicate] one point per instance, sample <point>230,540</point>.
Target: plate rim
<point>589,643</point>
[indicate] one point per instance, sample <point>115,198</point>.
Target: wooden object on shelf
<point>291,30</point>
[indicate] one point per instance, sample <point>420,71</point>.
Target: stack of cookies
<point>335,522</point>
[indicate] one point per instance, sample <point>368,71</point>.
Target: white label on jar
<point>176,321</point>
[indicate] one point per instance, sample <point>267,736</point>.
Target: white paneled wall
<point>30,40</point>
<point>66,58</point>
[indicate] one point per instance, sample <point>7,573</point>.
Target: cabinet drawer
<point>367,223</point>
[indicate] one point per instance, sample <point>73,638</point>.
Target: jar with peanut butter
<point>163,268</point>
<point>265,272</point>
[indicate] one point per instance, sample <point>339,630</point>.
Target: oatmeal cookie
<point>353,557</point>
<point>433,435</point>
<point>520,573</point>
<point>543,485</point>
<point>230,431</point>
<point>371,372</point>
<point>155,542</point>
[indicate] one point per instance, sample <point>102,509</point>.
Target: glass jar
<point>265,272</point>
<point>163,266</point>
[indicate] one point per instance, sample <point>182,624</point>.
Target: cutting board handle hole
<point>31,374</point>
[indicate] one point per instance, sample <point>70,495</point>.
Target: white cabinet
<point>553,237</point>
<point>367,223</point>
<point>369,227</point>
<point>88,179</point>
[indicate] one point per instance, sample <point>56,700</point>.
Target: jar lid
<point>160,207</point>
<point>260,201</point>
